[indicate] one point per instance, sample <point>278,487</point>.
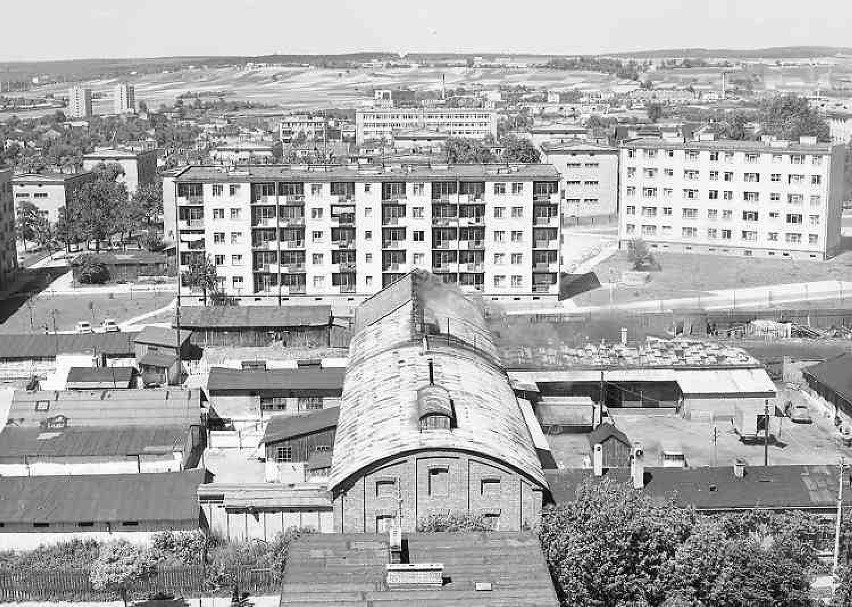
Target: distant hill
<point>779,52</point>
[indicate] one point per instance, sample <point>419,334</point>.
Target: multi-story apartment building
<point>589,179</point>
<point>329,232</point>
<point>48,191</point>
<point>732,197</point>
<point>124,98</point>
<point>140,167</point>
<point>8,253</point>
<point>312,127</point>
<point>382,123</point>
<point>79,102</point>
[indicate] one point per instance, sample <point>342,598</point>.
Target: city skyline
<point>258,27</point>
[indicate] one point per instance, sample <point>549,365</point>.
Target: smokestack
<point>597,460</point>
<point>637,466</point>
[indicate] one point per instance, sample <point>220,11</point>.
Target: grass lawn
<point>70,309</point>
<point>685,275</point>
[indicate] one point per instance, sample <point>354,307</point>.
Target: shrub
<point>453,522</point>
<point>92,269</point>
<point>74,554</point>
<point>181,547</point>
<point>119,565</point>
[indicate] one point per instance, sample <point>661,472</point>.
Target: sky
<point>58,29</point>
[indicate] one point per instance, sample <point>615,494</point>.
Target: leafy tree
<point>843,591</point>
<point>31,225</point>
<point>468,151</point>
<point>519,150</point>
<point>97,209</point>
<point>610,546</point>
<point>453,522</point>
<point>201,275</point>
<point>655,112</point>
<point>791,117</point>
<point>92,270</point>
<point>119,566</point>
<point>640,254</point>
<point>149,198</point>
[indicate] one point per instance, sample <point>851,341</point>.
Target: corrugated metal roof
<point>91,441</point>
<point>284,427</point>
<point>161,336</point>
<point>254,317</point>
<point>268,495</point>
<point>120,376</point>
<point>835,374</point>
<point>40,345</point>
<point>718,488</point>
<point>226,380</point>
<point>107,407</point>
<point>388,366</point>
<point>161,499</point>
<point>157,359</point>
<point>730,382</point>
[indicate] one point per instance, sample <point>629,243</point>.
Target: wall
<point>436,482</point>
<point>45,466</point>
<point>265,524</point>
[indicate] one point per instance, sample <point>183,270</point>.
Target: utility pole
<point>766,432</point>
<point>602,396</point>
<point>715,445</point>
<point>837,523</point>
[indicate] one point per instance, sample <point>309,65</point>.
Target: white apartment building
<point>589,180</point>
<point>312,127</point>
<point>382,123</point>
<point>124,98</point>
<point>79,102</point>
<point>278,233</point>
<point>752,198</point>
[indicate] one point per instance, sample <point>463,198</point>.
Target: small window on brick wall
<point>386,487</point>
<point>439,482</point>
<point>490,487</point>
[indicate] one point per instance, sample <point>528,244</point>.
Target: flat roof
<point>792,147</point>
<point>254,317</point>
<point>223,379</point>
<point>285,427</point>
<point>163,499</point>
<point>117,375</point>
<point>41,345</point>
<point>28,178</point>
<point>369,173</point>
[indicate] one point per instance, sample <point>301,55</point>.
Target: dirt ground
<point>656,429</point>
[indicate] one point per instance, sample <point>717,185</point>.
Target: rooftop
<point>399,332</point>
<point>106,407</point>
<point>369,173</point>
<point>576,145</point>
<point>223,380</point>
<point>285,427</point>
<point>835,373</point>
<point>268,495</point>
<point>40,345</point>
<point>161,336</point>
<point>111,153</point>
<point>119,376</point>
<point>58,178</point>
<point>162,499</point>
<point>254,317</point>
<point>352,567</point>
<point>792,147</point>
<point>104,441</point>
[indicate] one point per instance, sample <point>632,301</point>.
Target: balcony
<point>445,268</point>
<point>263,222</point>
<point>471,244</point>
<point>391,267</point>
<point>395,199</point>
<point>391,221</point>
<point>265,245</point>
<point>477,220</point>
<point>392,244</point>
<point>264,200</point>
<point>446,244</point>
<point>546,244</point>
<point>471,267</point>
<point>548,198</point>
<point>347,288</point>
<point>346,266</point>
<point>293,268</point>
<point>345,197</point>
<point>186,224</point>
<point>292,222</point>
<point>269,268</point>
<point>294,199</point>
<point>343,244</point>
<point>546,221</point>
<point>542,288</point>
<point>292,244</point>
<point>347,219</point>
<point>190,199</point>
<point>293,290</point>
<point>444,221</point>
<point>546,267</point>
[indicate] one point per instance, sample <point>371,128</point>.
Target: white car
<point>110,326</point>
<point>84,326</point>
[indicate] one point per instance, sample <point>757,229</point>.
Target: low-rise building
<point>298,449</point>
<point>129,266</point>
<point>140,167</point>
<point>258,326</point>
<point>589,179</point>
<point>99,378</point>
<point>557,133</point>
<point>299,125</point>
<point>49,192</point>
<point>246,152</point>
<point>160,353</point>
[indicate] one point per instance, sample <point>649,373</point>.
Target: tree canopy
<point>119,566</point>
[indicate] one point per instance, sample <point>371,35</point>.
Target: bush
<point>119,566</point>
<point>453,522</point>
<point>180,547</point>
<point>92,270</point>
<point>74,554</point>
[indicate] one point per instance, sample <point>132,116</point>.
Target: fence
<point>74,584</point>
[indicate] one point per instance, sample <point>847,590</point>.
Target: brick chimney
<point>637,466</point>
<point>597,459</point>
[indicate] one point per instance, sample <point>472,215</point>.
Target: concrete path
<point>128,325</point>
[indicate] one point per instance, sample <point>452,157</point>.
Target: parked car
<point>84,326</point>
<point>110,326</point>
<point>798,413</point>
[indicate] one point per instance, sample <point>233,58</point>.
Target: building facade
<point>140,168</point>
<point>48,191</point>
<point>747,198</point>
<point>589,181</point>
<point>8,251</point>
<point>124,98</point>
<point>382,123</point>
<point>280,232</point>
<point>79,102</point>
<point>291,127</point>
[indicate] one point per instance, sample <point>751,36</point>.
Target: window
<point>772,236</point>
<point>729,157</point>
<point>517,211</point>
<point>368,258</point>
<point>795,179</point>
<point>499,259</point>
<point>499,189</point>
<point>319,282</point>
<point>499,212</point>
<point>668,172</point>
<point>591,184</point>
<point>368,211</point>
<point>631,191</point>
<point>219,260</point>
<point>284,454</point>
<point>417,212</point>
<point>816,179</point>
<point>777,159</point>
<point>517,236</point>
<point>316,259</point>
<point>367,188</point>
<point>316,235</point>
<point>499,281</point>
<point>797,159</point>
<point>368,235</point>
<point>667,211</point>
<point>751,196</point>
<point>237,282</point>
<point>813,220</point>
<point>316,213</point>
<point>499,236</point>
<point>631,172</point>
<point>650,153</point>
<point>668,192</point>
<point>752,158</point>
<point>649,192</point>
<point>795,199</point>
<point>793,238</point>
<point>439,482</point>
<point>714,156</point>
<point>631,153</point>
<point>775,178</point>
<point>236,260</point>
<point>728,176</point>
<point>218,189</point>
<point>712,213</point>
<point>713,195</point>
<point>690,194</point>
<point>42,405</point>
<point>690,213</point>
<point>751,177</point>
<point>712,233</point>
<point>727,214</point>
<point>816,201</point>
<point>419,236</point>
<point>690,175</point>
<point>419,189</point>
<point>218,238</point>
<point>649,211</point>
<point>726,234</point>
<point>490,488</point>
<point>813,238</point>
<point>714,175</point>
<point>794,218</point>
<point>386,488</point>
<point>218,213</point>
<point>773,215</point>
<point>649,230</point>
<point>517,188</point>
<point>667,230</point>
<point>630,228</point>
<point>368,281</point>
<point>517,281</point>
<point>649,173</point>
<point>235,213</point>
<point>691,154</point>
<point>316,189</point>
<point>689,232</point>
<point>750,215</point>
<point>517,259</point>
<point>749,235</point>
<point>631,210</point>
<point>236,237</point>
<point>775,197</point>
<point>233,190</point>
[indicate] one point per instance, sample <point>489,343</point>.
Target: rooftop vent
<point>739,468</point>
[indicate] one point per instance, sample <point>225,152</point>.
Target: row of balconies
<point>271,222</point>
<point>276,268</point>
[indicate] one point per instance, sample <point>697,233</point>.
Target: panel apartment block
<point>776,199</point>
<point>278,233</point>
<point>382,123</point>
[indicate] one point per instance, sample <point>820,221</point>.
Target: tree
<point>31,225</point>
<point>119,566</point>
<point>96,208</point>
<point>640,254</point>
<point>790,117</point>
<point>655,112</point>
<point>201,275</point>
<point>520,150</point>
<point>843,592</point>
<point>468,151</point>
<point>92,271</point>
<point>611,544</point>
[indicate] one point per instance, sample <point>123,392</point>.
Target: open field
<point>69,309</point>
<point>657,429</point>
<point>686,275</point>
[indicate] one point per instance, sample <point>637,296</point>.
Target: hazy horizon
<point>53,30</point>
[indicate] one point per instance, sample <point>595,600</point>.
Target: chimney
<point>597,460</point>
<point>739,468</point>
<point>623,336</point>
<point>637,466</point>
